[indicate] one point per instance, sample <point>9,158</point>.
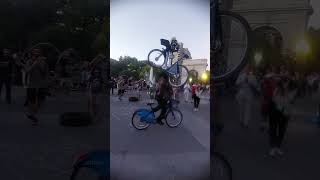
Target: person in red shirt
<point>268,85</point>
<point>195,89</point>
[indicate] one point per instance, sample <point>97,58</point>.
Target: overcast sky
<point>136,26</point>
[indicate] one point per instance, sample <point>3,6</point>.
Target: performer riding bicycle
<point>163,95</point>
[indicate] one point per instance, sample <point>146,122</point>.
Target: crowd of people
<point>276,90</point>
<point>35,75</point>
<point>192,91</point>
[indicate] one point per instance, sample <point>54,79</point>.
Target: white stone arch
<point>275,30</point>
<point>289,17</point>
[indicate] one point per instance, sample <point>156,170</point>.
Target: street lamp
<point>302,47</point>
<point>204,76</point>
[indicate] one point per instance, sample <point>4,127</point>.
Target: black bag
<point>76,119</point>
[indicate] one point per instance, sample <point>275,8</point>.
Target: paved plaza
<point>47,151</point>
<point>247,149</point>
<point>159,152</point>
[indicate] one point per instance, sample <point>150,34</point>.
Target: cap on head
<point>173,39</point>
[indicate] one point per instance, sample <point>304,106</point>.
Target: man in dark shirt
<point>163,94</point>
<point>6,70</point>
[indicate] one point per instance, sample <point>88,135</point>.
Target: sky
<point>315,17</point>
<point>136,26</point>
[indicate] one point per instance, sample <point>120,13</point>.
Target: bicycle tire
<point>219,158</point>
<point>179,112</point>
<point>151,63</point>
<point>247,52</point>
<point>134,125</point>
<point>171,78</point>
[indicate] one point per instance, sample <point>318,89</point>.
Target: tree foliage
<point>80,24</point>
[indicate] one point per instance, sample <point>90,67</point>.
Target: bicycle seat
<point>150,104</point>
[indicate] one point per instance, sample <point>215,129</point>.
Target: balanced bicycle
<point>143,117</point>
<point>231,38</point>
<point>178,73</point>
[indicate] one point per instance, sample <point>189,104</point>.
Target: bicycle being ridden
<point>142,118</point>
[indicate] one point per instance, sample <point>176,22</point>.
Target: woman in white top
<point>280,113</point>
<point>187,92</point>
<point>247,87</point>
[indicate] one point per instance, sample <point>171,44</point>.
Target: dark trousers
<point>7,83</point>
<point>196,101</point>
<point>161,105</point>
<point>277,128</point>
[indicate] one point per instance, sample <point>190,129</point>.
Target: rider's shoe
<point>160,122</point>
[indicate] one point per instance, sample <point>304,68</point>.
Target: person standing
<point>95,89</point>
<point>38,73</point>
<point>196,96</point>
<point>187,90</point>
<point>248,88</point>
<point>121,85</point>
<point>267,89</point>
<point>279,115</point>
<point>6,70</point>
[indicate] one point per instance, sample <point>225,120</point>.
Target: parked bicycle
<point>178,73</point>
<point>143,118</point>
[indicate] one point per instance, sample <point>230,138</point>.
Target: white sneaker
<point>272,152</point>
<point>195,109</point>
<point>278,151</point>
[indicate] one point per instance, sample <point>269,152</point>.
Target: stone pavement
<point>247,149</point>
<point>159,152</point>
<point>47,151</point>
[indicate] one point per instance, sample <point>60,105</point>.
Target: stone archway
<point>268,45</point>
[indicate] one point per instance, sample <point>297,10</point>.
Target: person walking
<point>279,115</point>
<point>187,90</point>
<point>247,92</point>
<point>196,96</point>
<point>38,73</point>
<point>6,70</point>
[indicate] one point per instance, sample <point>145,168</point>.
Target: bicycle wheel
<point>156,58</point>
<point>221,167</point>
<point>137,123</point>
<point>232,45</point>
<point>179,79</point>
<point>174,118</point>
<point>85,173</point>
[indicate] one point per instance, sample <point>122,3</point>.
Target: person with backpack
<point>164,93</point>
<point>6,73</point>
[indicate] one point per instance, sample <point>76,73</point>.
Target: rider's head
<point>173,39</point>
<point>163,77</point>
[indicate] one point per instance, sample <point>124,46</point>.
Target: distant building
<point>198,65</point>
